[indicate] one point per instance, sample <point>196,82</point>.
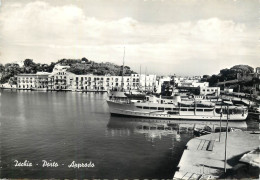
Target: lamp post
<point>225,165</point>
<point>221,113</point>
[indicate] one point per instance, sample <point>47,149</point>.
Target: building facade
<point>33,81</point>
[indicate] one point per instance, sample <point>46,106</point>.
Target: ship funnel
<point>177,98</point>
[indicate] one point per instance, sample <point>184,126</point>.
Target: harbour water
<point>65,127</point>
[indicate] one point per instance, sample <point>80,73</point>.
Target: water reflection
<point>155,128</point>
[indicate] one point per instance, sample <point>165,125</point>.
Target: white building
<point>190,82</point>
<point>33,81</point>
<point>147,82</point>
<point>60,80</point>
<point>160,82</point>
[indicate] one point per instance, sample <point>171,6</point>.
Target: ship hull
<point>123,109</point>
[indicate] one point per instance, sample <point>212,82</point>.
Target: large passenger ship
<point>175,108</point>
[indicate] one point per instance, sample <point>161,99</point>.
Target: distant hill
<point>85,66</point>
<point>240,77</point>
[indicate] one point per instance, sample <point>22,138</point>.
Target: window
<point>199,109</point>
<point>207,110</point>
<point>183,109</point>
<point>145,107</point>
<point>160,108</point>
<point>154,108</point>
<point>218,110</point>
<point>139,107</point>
<point>168,109</point>
<point>172,112</point>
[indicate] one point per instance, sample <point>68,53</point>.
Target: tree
<point>28,62</point>
<point>84,59</point>
<point>2,68</point>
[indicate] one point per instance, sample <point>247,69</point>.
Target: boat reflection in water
<point>157,128</point>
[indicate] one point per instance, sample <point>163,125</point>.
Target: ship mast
<point>122,83</point>
<point>145,80</point>
<point>139,83</point>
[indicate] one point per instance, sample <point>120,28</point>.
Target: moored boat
<point>153,107</point>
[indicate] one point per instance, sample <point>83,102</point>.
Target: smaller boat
<point>137,95</point>
<point>40,89</point>
<point>254,110</point>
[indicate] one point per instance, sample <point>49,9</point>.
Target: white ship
<point>175,108</point>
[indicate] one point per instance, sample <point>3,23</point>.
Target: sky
<point>165,37</point>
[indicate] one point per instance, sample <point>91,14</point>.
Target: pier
<point>204,156</point>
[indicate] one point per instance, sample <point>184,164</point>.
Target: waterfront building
<point>194,81</point>
<point>160,82</point>
<point>8,86</point>
<point>26,81</point>
<point>147,82</point>
<point>89,82</point>
<point>135,82</point>
<point>103,83</point>
<point>60,80</point>
<point>41,80</point>
<point>33,81</point>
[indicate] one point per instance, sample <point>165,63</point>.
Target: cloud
<point>45,32</point>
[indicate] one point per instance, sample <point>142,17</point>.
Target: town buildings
<point>62,80</point>
<point>196,86</point>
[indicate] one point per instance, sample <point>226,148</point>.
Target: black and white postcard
<point>129,89</point>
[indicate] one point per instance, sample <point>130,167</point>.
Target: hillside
<point>241,78</point>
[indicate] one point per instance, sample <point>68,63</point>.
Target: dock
<point>204,156</point>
